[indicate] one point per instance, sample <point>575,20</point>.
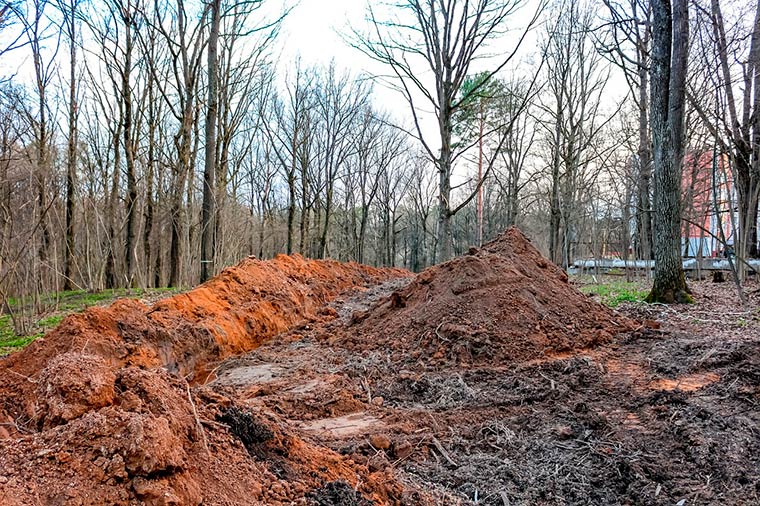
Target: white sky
<point>312,31</point>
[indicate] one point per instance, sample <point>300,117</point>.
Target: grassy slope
<point>56,306</point>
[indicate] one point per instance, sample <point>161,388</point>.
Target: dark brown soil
<point>503,303</point>
<point>487,380</point>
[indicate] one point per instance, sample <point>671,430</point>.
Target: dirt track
<point>486,380</point>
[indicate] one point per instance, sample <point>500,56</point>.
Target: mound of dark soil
<point>501,303</point>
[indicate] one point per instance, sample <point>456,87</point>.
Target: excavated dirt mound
<point>158,444</point>
<point>190,333</point>
<point>666,414</point>
<point>501,303</point>
<point>109,407</point>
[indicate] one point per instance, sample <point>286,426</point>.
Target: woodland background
<point>105,144</point>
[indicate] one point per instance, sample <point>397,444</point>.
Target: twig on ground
<point>213,373</point>
<point>212,423</point>
<point>443,452</point>
<point>30,380</point>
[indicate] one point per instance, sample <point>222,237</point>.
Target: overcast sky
<point>310,30</point>
<point>313,31</point>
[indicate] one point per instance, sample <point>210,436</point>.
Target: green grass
<point>47,311</point>
<point>612,293</point>
<point>10,341</point>
<point>77,300</point>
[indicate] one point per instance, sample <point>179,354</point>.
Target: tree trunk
<point>643,211</point>
<point>291,206</point>
<point>554,201</point>
<point>181,173</point>
<point>746,188</point>
<point>668,76</point>
<point>361,246</point>
<point>754,251</point>
<point>323,249</point>
<point>111,278</point>
<point>209,174</point>
<point>481,124</point>
<point>129,155</point>
<point>743,128</point>
<point>303,226</point>
<point>149,280</point>
<point>6,155</point>
<point>42,161</point>
<point>445,245</point>
<point>71,161</point>
<point>154,279</point>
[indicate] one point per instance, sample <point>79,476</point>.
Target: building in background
<point>707,186</point>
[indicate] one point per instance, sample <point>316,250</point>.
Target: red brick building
<point>701,234</point>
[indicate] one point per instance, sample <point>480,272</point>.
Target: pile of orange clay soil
<point>501,303</point>
<point>110,407</point>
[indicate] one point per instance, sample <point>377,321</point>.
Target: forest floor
<point>489,380</point>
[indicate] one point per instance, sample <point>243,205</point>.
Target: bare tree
<point>510,175</point>
<point>11,15</point>
<point>179,88</point>
<point>628,47</point>
<point>576,79</point>
<point>729,53</point>
<point>11,128</point>
<point>128,14</point>
<point>153,113</point>
<point>420,207</point>
<point>289,136</point>
<point>69,10</point>
<point>245,81</point>
<point>340,100</point>
<point>116,30</point>
<point>446,37</point>
<point>37,33</point>
<point>378,148</point>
